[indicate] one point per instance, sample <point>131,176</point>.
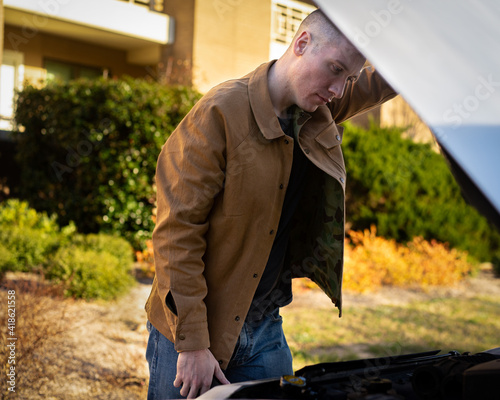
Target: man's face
<point>323,73</point>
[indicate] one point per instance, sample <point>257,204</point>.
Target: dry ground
<point>78,349</point>
<point>95,350</point>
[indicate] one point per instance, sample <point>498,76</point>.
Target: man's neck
<point>278,89</point>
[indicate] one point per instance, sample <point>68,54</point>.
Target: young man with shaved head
<point>251,194</point>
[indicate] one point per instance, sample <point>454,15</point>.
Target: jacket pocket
<point>170,302</point>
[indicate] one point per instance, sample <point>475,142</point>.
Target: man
<point>250,194</point>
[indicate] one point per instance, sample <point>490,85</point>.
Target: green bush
<point>406,190</point>
<point>86,266</point>
<point>89,274</point>
<point>14,212</point>
<point>6,260</point>
<point>27,237</point>
<point>88,150</point>
<point>99,242</point>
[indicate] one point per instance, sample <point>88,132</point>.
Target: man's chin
<point>310,108</point>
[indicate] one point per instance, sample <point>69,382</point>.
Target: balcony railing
<point>154,5</point>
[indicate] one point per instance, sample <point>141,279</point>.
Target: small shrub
<point>145,261</point>
<point>89,274</point>
<point>86,266</point>
<point>372,261</point>
<point>29,237</point>
<point>28,248</point>
<point>6,260</point>
<point>100,242</point>
<point>18,213</point>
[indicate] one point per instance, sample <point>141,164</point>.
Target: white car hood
<point>443,57</point>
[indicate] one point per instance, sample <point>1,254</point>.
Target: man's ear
<point>301,43</point>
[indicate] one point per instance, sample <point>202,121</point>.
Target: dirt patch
<point>78,349</point>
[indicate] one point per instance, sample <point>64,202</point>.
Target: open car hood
<point>443,58</point>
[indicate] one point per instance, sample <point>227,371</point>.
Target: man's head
<point>321,28</point>
<point>320,62</point>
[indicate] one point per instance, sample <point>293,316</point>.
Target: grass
<point>442,323</point>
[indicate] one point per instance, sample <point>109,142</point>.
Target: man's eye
<point>336,68</point>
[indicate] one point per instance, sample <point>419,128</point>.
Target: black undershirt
<point>275,287</point>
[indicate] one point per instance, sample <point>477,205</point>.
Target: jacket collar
<point>260,102</point>
<point>321,124</point>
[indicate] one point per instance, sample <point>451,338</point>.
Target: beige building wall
<point>231,38</point>
<point>177,58</point>
<point>397,112</point>
<point>44,46</point>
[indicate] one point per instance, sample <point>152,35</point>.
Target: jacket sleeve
<point>368,92</point>
<point>189,175</point>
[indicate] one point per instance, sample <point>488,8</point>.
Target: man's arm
<point>190,174</point>
<point>368,92</point>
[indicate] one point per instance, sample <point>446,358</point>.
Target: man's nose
<point>337,88</point>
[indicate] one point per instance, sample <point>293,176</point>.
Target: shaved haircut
<point>320,27</point>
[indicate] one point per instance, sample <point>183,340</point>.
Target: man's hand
<point>195,371</point>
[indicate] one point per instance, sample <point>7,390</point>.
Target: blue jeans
<point>261,352</point>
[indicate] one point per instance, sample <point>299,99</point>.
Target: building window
<point>286,17</point>
<point>59,70</point>
<point>11,79</point>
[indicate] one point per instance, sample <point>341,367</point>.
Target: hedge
<point>27,237</point>
<point>406,190</point>
<point>88,150</point>
<point>88,274</point>
<point>84,266</point>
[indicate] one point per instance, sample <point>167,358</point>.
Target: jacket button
<point>237,318</point>
<point>182,336</point>
<point>255,275</point>
<point>342,180</point>
<point>338,137</point>
<point>272,231</point>
<point>286,141</point>
<point>220,362</point>
<point>281,186</point>
<point>306,151</point>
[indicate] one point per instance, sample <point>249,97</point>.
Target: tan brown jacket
<point>221,181</point>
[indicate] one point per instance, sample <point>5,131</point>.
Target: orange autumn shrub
<point>145,259</point>
<point>372,261</point>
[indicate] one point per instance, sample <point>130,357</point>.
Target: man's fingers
<point>220,376</point>
<point>195,372</point>
<point>204,389</point>
<point>193,392</point>
<point>184,390</point>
